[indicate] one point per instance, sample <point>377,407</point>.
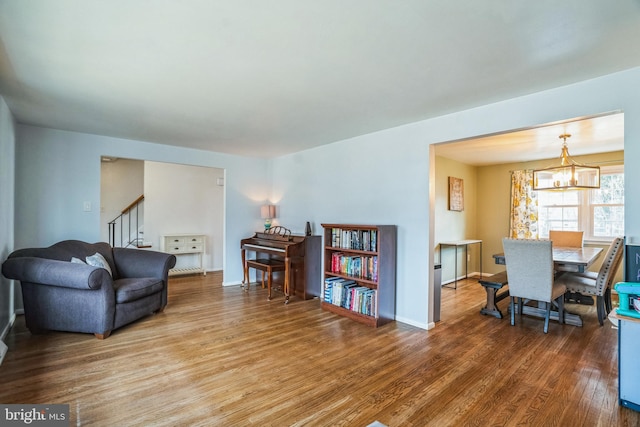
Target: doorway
<point>179,199</point>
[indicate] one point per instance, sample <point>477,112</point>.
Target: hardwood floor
<point>219,356</point>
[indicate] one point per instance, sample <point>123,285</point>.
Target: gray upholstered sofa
<point>73,296</point>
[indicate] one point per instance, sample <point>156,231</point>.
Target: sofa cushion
<point>97,260</point>
<point>128,290</point>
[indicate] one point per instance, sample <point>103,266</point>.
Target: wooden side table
<point>457,244</point>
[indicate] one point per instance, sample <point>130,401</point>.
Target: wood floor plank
<point>221,356</point>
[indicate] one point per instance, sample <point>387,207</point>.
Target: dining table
<point>566,259</point>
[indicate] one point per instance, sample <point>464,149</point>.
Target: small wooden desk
<point>456,244</point>
<point>578,258</point>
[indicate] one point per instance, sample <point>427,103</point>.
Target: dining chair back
<point>610,265</point>
<point>569,239</point>
<point>531,276</point>
<point>598,283</point>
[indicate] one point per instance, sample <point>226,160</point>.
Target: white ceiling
<point>265,78</point>
<point>586,136</point>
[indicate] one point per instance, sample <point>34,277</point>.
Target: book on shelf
<point>347,294</point>
<point>365,267</point>
<point>350,295</point>
<point>328,287</point>
<point>363,240</point>
<point>337,290</point>
<point>355,303</point>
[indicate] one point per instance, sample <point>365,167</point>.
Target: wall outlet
<point>86,206</point>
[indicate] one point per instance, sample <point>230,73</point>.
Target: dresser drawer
<point>193,247</point>
<point>194,239</point>
<point>174,241</point>
<point>174,249</point>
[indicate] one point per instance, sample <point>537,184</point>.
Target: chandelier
<point>569,175</point>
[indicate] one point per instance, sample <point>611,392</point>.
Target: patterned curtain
<point>524,206</point>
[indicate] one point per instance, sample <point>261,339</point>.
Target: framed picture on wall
<point>456,194</point>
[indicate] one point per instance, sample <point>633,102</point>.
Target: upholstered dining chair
<point>531,276</point>
<point>568,239</point>
<point>598,283</point>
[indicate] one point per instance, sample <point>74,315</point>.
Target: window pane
<point>547,198</point>
<point>608,221</point>
<point>557,218</point>
<point>611,190</point>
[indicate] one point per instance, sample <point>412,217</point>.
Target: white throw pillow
<point>77,260</point>
<point>97,260</point>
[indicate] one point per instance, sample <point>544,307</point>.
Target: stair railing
<point>124,230</point>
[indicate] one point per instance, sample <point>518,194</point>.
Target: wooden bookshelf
<point>361,258</point>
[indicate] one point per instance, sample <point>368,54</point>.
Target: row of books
<point>365,267</point>
<point>348,294</point>
<point>363,240</point>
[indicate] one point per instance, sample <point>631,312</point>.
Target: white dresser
<point>189,250</point>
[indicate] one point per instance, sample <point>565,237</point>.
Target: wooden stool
<point>266,266</point>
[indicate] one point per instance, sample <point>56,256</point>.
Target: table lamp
<point>267,212</point>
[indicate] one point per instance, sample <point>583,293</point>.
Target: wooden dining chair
<point>531,276</point>
<point>567,239</point>
<point>599,283</point>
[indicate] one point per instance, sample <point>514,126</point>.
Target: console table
<point>459,244</point>
<point>185,247</point>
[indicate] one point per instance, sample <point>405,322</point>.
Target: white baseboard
<point>236,283</point>
<point>9,325</point>
<point>411,322</point>
<point>471,275</point>
<point>3,346</point>
<point>3,351</point>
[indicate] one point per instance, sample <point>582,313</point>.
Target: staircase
<point>127,229</point>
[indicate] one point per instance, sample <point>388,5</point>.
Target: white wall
<point>178,198</point>
<point>181,199</point>
<point>56,171</point>
<point>380,178</point>
<point>121,182</point>
<point>7,153</point>
<point>384,177</point>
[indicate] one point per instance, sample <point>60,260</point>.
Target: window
<point>600,213</point>
<point>606,206</point>
<point>559,210</point>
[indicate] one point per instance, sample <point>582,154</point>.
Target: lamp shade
<point>268,211</point>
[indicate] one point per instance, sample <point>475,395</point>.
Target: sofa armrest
<point>55,273</point>
<point>142,263</point>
